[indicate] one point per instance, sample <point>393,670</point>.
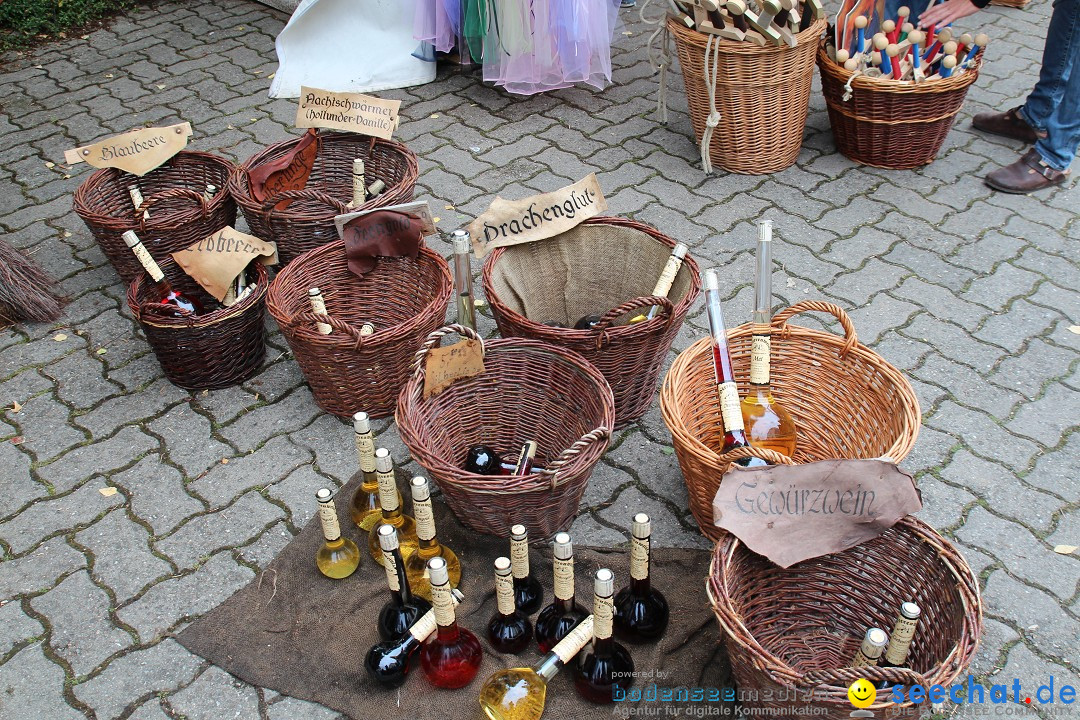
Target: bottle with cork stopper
<point>338,557</point>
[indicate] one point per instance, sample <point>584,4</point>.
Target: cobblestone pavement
<point>971,293</point>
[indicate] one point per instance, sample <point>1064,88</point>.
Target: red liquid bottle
<point>734,433</point>
<point>528,593</point>
<point>166,295</point>
<point>509,631</point>
<point>452,656</point>
<point>560,617</point>
<point>604,663</point>
<point>641,612</point>
<point>389,662</point>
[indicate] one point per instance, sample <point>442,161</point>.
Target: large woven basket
<point>308,221</point>
<point>762,95</point>
<point>606,266</point>
<point>845,399</point>
<point>792,633</point>
<point>888,124</point>
<point>528,391</point>
<point>173,193</point>
<point>404,299</point>
<point>215,350</point>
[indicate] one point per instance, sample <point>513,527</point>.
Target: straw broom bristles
<point>26,291</point>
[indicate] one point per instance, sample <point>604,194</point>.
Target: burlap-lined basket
<point>405,299</point>
<point>606,266</point>
<point>795,650</point>
<point>846,400</point>
<point>528,391</point>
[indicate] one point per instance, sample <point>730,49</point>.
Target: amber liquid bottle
<point>452,656</point>
<point>509,630</point>
<point>403,609</point>
<point>604,663</point>
<point>338,557</point>
<point>663,284</point>
<point>641,611</point>
<point>768,423</point>
<point>528,593</point>
<point>389,662</point>
<point>166,294</point>
<point>428,545</point>
<point>365,508</point>
<point>560,617</point>
<point>734,435</point>
<point>390,510</point>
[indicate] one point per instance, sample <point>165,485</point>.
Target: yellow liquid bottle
<point>365,508</point>
<point>663,285</point>
<point>338,557</point>
<point>519,693</point>
<point>428,545</point>
<point>390,510</point>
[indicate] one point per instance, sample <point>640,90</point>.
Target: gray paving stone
<point>1001,488</point>
<point>297,491</point>
<point>80,381</point>
<point>16,627</point>
<point>1042,420</point>
<point>55,514</point>
<point>289,708</point>
<point>983,436</point>
<point>39,570</point>
<point>43,423</point>
<point>331,441</point>
<point>19,487</point>
<point>215,695</point>
<point>1039,616</point>
<point>1030,371</point>
<point>937,333</point>
<point>16,358</point>
<point>102,457</point>
<point>1056,471</point>
<point>274,461</point>
<point>111,414</point>
<point>33,687</point>
<point>667,531</point>
<point>284,416</point>
<point>81,630</point>
<point>995,637</point>
<point>156,493</point>
<point>943,505</point>
<point>161,667</point>
<point>122,557</point>
<point>967,386</point>
<point>266,548</point>
<point>187,435</point>
<point>205,534</point>
<point>1034,671</point>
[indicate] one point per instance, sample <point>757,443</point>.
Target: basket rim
<point>734,47</point>
<point>894,87</point>
<point>262,286</point>
<point>947,669</point>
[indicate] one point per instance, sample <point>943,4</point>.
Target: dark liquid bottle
<point>164,291</point>
<point>482,460</point>
<point>604,662</point>
<point>403,609</point>
<point>509,630</point>
<point>587,323</point>
<point>389,662</point>
<point>451,656</point>
<point>641,612</point>
<point>528,593</point>
<point>560,617</point>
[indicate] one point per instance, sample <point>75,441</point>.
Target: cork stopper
<point>388,539</point>
<point>502,566</point>
<point>360,423</point>
<point>892,50</point>
<point>910,610</point>
<point>917,37</point>
<point>314,292</point>
<point>949,61</point>
<point>420,489</point>
<point>324,496</point>
<point>903,12</point>
<point>876,637</point>
<point>460,239</point>
<point>966,39</point>
<point>944,35</point>
<point>680,250</point>
<point>604,583</point>
<point>712,281</point>
<point>358,166</point>
<point>907,28</point>
<point>642,526</point>
<point>949,48</point>
<point>736,7</point>
<point>367,329</point>
<point>887,26</point>
<point>131,239</point>
<point>564,547</point>
<point>437,571</point>
<point>518,532</point>
<point>851,65</point>
<point>383,462</point>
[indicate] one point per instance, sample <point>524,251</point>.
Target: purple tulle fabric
<point>526,46</point>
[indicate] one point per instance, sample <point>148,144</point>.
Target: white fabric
<point>349,46</point>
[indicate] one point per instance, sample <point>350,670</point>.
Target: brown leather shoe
<point>1009,123</point>
<point>1026,175</point>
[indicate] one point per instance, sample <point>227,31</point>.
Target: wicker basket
<point>404,299</point>
<point>174,193</point>
<point>528,391</point>
<point>210,351</point>
<point>799,642</point>
<point>609,260</point>
<point>846,400</point>
<point>888,124</point>
<point>762,95</point>
<point>308,221</point>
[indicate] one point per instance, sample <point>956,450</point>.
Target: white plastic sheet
<point>349,46</point>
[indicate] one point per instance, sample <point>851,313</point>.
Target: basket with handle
<point>846,400</point>
<point>308,221</point>
<point>405,299</point>
<point>798,644</point>
<point>606,261</point>
<point>528,391</point>
<point>174,195</point>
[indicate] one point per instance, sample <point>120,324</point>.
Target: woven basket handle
<point>309,319</point>
<point>305,194</point>
<point>552,469</point>
<point>770,456</point>
<point>779,321</point>
<point>843,677</point>
<point>614,314</point>
<point>168,195</point>
<point>434,338</point>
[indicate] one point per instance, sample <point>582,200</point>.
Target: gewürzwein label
<point>137,152</point>
<point>352,112</point>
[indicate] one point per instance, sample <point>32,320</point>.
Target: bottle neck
<point>549,667</point>
<point>602,647</point>
<point>564,606</point>
<point>640,587</point>
<point>448,633</point>
<point>405,592</point>
<point>428,549</point>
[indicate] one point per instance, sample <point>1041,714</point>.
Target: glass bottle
<point>560,617</point>
<point>466,309</point>
<point>338,557</point>
<point>389,662</point>
<point>165,293</point>
<point>587,322</point>
<point>318,306</point>
<point>641,611</point>
<point>873,645</point>
<point>428,545</point>
<point>734,435</point>
<point>524,464</point>
<point>390,510</point>
<point>211,191</point>
<point>403,609</point>
<point>509,630</point>
<point>519,693</point>
<point>451,656</point>
<point>768,423</point>
<point>528,593</point>
<point>603,663</point>
<point>137,199</point>
<point>483,460</point>
<point>896,653</point>
<point>365,508</point>
<point>359,185</point>
<point>667,278</point>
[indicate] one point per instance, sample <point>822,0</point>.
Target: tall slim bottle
<point>466,308</point>
<point>318,306</point>
<point>663,284</point>
<point>338,557</point>
<point>604,662</point>
<point>403,609</point>
<point>164,290</point>
<point>365,508</point>
<point>428,545</point>
<point>641,611</point>
<point>560,617</point>
<point>528,593</point>
<point>734,435</point>
<point>768,423</point>
<point>390,510</point>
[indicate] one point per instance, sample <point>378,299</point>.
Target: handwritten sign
<point>446,365</point>
<point>790,513</point>
<point>137,152</point>
<point>513,222</point>
<point>289,172</point>
<point>352,112</point>
<point>216,260</point>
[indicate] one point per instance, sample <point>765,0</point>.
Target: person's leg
<point>1056,78</point>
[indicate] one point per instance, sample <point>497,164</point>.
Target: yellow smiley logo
<point>861,693</point>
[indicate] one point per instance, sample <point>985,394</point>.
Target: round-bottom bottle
<point>452,655</point>
<point>509,630</point>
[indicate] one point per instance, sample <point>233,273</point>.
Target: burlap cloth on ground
<point>294,631</point>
